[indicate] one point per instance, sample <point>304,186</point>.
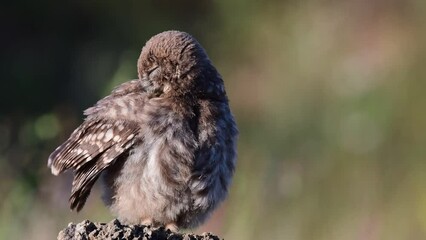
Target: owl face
<point>170,64</point>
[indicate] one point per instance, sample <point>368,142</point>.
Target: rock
<point>114,230</point>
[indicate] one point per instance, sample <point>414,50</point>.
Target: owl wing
<point>97,142</point>
<point>91,148</point>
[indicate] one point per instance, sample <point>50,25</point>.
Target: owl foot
<point>147,222</point>
<point>172,227</point>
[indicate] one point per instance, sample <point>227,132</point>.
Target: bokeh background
<point>329,97</point>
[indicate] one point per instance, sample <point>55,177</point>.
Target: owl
<point>163,145</point>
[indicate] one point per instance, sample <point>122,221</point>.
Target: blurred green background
<point>329,97</point>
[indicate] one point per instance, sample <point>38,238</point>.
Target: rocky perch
<point>88,230</point>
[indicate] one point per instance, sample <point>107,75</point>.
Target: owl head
<point>173,63</point>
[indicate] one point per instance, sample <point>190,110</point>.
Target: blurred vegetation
<point>328,95</point>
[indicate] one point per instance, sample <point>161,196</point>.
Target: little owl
<point>164,145</point>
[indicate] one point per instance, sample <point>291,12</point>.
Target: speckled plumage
<point>164,144</point>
